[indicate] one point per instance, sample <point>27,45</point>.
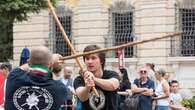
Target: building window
<point>59,44</point>
<point>187,17</point>
<point>184,45</point>
<point>121,27</point>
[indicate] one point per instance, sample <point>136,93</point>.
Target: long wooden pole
<point>67,40</point>
<point>120,46</point>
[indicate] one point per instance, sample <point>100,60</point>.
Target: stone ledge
<point>181,59</point>
<point>132,60</point>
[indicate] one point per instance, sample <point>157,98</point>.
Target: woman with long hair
<point>162,91</point>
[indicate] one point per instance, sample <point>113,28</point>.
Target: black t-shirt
<point>29,91</point>
<point>108,99</point>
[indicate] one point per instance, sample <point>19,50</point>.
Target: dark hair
<point>57,69</point>
<point>125,83</point>
<point>151,65</point>
<point>6,66</point>
<point>174,81</point>
<point>101,55</point>
<point>125,74</point>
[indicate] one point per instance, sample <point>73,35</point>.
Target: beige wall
<point>31,33</point>
<point>91,22</point>
<point>152,18</point>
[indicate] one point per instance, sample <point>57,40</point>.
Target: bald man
<point>67,72</point>
<point>30,87</point>
<point>67,80</point>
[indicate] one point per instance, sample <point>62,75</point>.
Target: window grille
<point>185,22</point>
<point>121,28</point>
<point>59,44</point>
<point>187,17</point>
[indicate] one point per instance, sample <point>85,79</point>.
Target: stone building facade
<point>112,22</point>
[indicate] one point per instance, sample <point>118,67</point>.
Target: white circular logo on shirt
<point>32,98</point>
<point>95,102</point>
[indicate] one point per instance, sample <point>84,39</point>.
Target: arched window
<point>58,43</point>
<point>121,26</point>
<point>186,23</point>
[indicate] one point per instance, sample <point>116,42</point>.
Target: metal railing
<point>57,40</point>
<point>121,28</point>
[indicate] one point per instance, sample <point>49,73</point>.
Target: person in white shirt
<point>162,91</point>
<point>175,97</point>
<point>67,80</point>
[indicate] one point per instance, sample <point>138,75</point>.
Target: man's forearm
<point>107,84</point>
<point>138,90</point>
<point>172,106</point>
<point>148,92</point>
<point>162,97</point>
<point>83,93</point>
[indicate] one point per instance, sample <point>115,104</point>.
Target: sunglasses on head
<point>143,71</point>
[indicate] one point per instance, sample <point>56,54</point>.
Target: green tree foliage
<point>15,11</point>
<point>189,103</point>
<point>18,9</point>
<point>6,40</point>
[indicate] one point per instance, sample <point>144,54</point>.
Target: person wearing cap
<point>162,91</point>
<point>31,87</point>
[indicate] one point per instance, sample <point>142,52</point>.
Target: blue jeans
<point>162,107</point>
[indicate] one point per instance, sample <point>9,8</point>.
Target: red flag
<point>120,58</point>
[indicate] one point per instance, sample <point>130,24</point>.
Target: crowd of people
<point>44,84</point>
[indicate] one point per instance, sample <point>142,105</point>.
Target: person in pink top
<point>4,70</point>
<point>2,80</point>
